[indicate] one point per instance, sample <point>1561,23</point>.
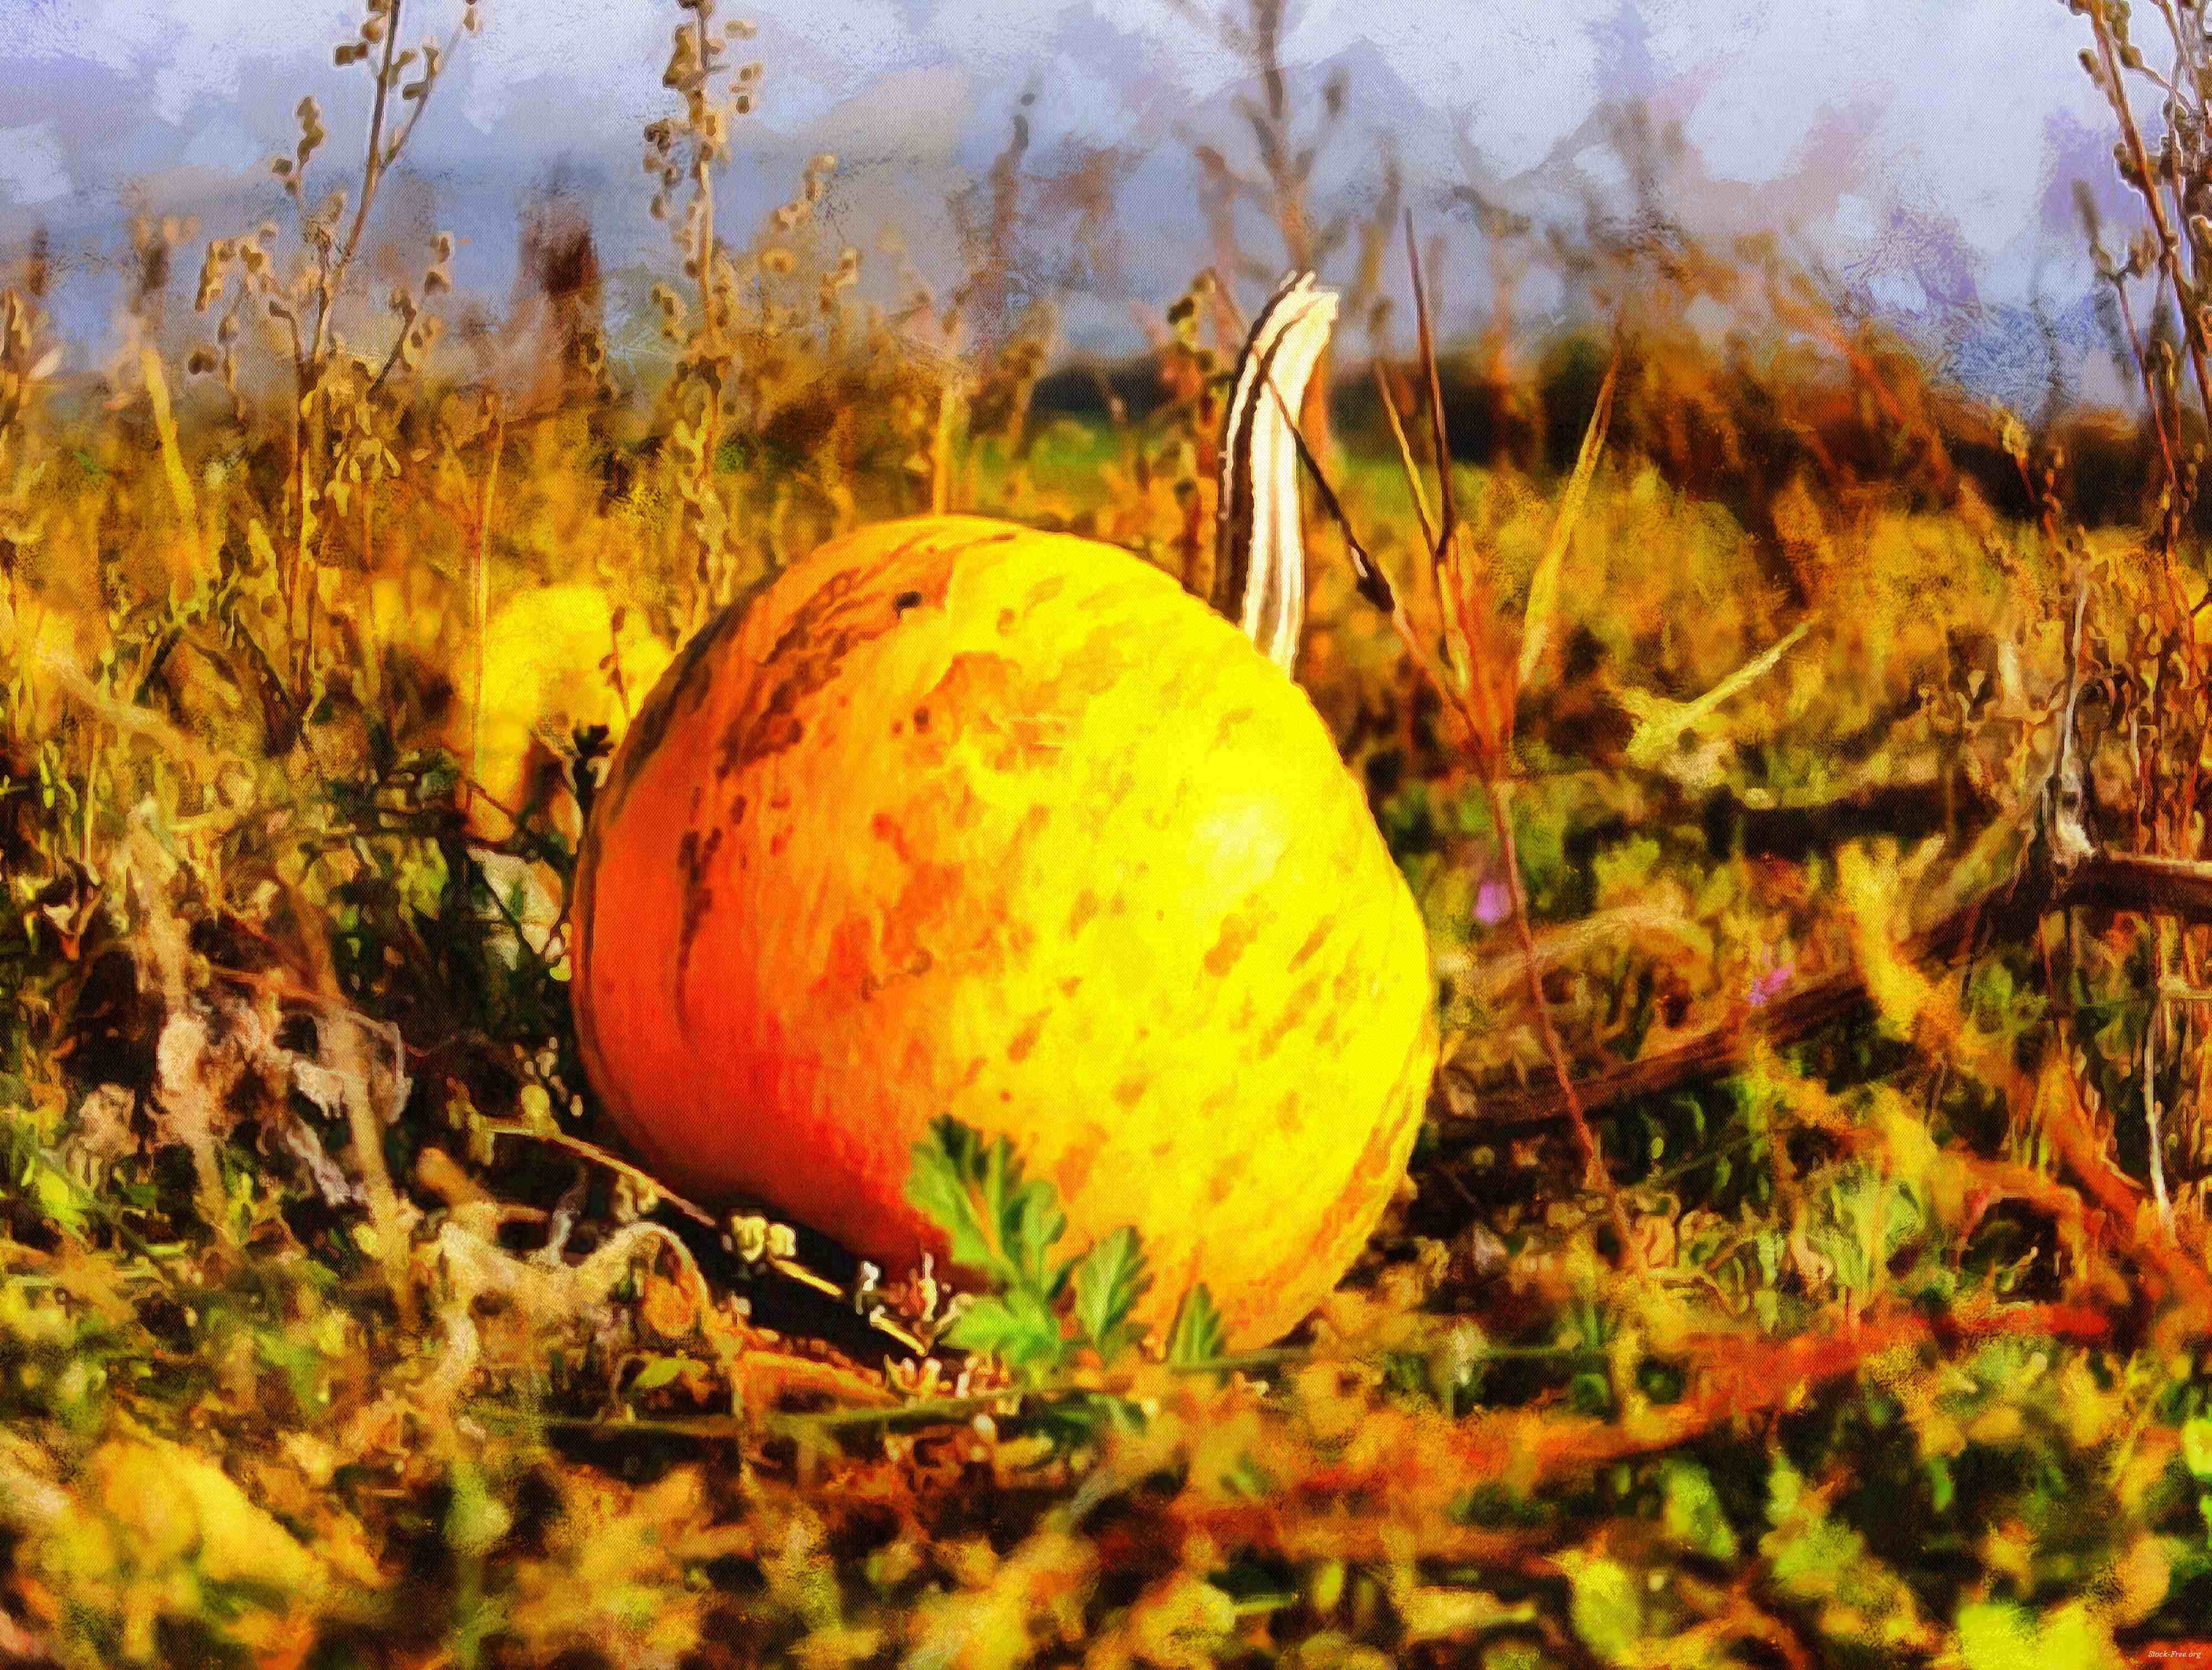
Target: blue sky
<point>1922,147</point>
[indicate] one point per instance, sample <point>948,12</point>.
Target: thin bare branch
<point>1412,471</point>
<point>1440,448</point>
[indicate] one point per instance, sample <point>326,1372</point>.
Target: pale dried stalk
<point>1487,738</point>
<point>2169,243</point>
<point>480,596</point>
<point>1492,768</point>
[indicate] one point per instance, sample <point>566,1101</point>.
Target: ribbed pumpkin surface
<point>957,817</point>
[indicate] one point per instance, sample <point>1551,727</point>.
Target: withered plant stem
<point>1406,455</point>
<point>1447,498</point>
<point>1458,639</point>
<point>2180,113</point>
<point>710,354</point>
<point>1493,763</point>
<point>1488,744</point>
<point>2150,393</point>
<point>789,1269</point>
<point>2153,1130</point>
<point>481,589</point>
<point>372,173</point>
<point>1498,794</point>
<point>2169,245</point>
<point>614,1163</point>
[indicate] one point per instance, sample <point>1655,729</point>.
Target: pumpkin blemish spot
<point>1237,934</point>
<point>1315,941</point>
<point>1024,1041</point>
<point>695,856</point>
<point>1086,906</point>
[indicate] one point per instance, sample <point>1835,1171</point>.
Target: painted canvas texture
<point>985,833</point>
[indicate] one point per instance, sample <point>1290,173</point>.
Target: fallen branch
<point>1302,1537</point>
<point>2153,1236</point>
<point>2141,882</point>
<point>1907,811</point>
<point>2105,881</point>
<point>1417,1460</point>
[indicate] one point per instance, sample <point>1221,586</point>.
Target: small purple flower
<point>1771,985</point>
<point>1494,903</point>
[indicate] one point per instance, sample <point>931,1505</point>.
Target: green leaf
<point>1000,1222</point>
<point>1661,723</point>
<point>475,1520</point>
<point>60,1200</point>
<point>1992,1633</point>
<point>2074,1638</point>
<point>1018,1329</point>
<point>1996,1634</point>
<point>947,1166</point>
<point>1693,1512</point>
<point>1198,1335</point>
<point>1606,1608</point>
<point>1942,1489</point>
<point>2196,1448</point>
<point>661,1371</point>
<point>1109,1280</point>
<point>1861,1599</point>
<point>1027,1222</point>
<point>1544,584</point>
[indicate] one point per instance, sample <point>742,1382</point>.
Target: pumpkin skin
<point>959,817</point>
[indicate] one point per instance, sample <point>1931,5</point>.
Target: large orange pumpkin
<point>962,818</point>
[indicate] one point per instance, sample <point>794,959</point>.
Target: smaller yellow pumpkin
<point>555,660</point>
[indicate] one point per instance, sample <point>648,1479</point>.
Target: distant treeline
<point>1732,427</point>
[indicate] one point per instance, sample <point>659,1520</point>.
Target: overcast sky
<point>1926,148</point>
